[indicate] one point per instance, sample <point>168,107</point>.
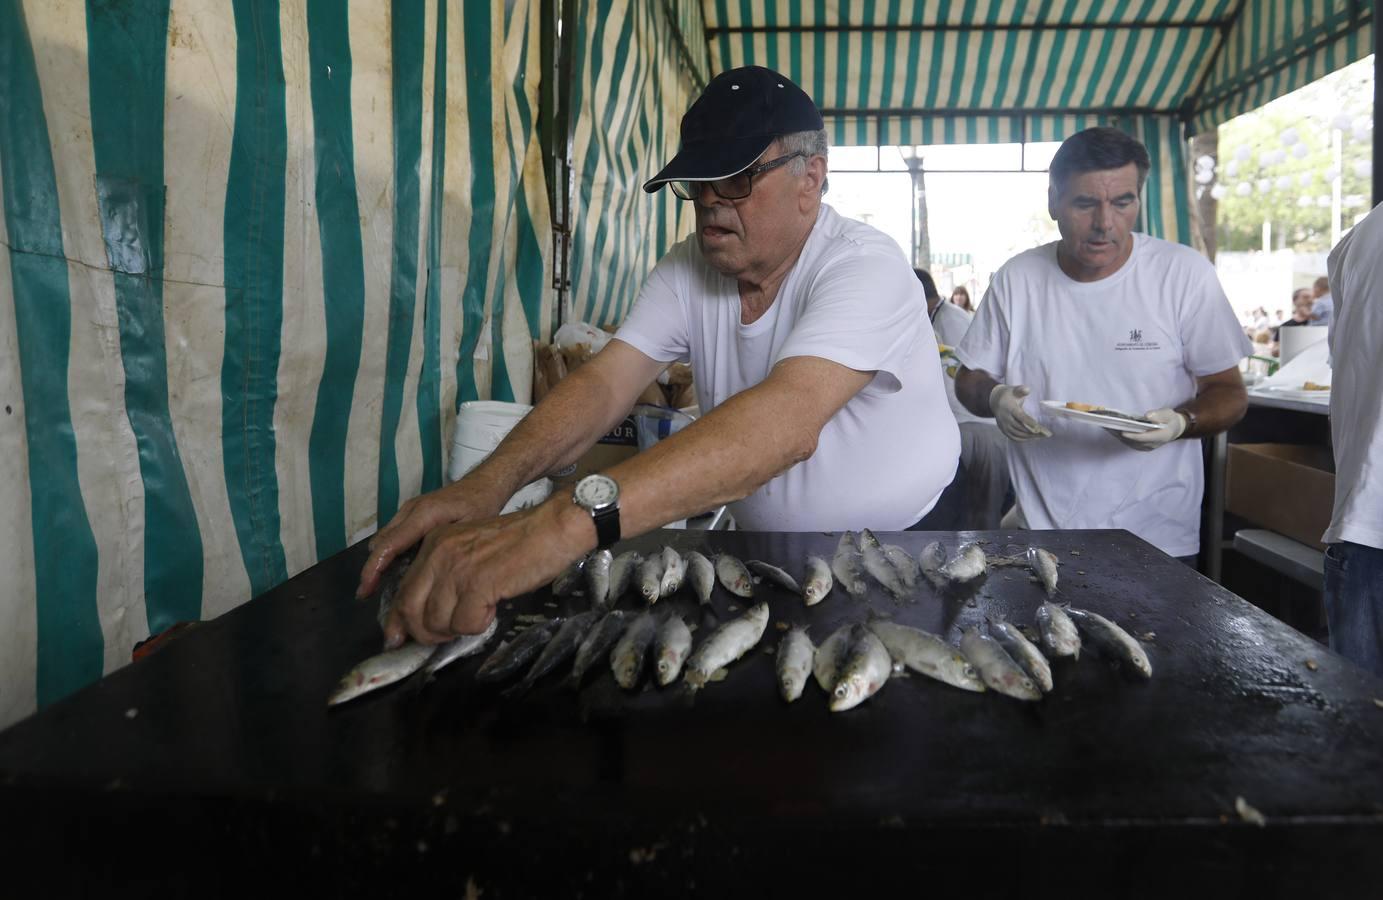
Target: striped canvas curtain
<point>253,255</point>
<point>631,84</point>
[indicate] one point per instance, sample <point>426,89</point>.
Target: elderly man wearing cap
<point>823,407</point>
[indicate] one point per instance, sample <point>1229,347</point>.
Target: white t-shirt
<point>1134,341</point>
<point>1356,384</point>
<point>884,458</point>
<point>950,323</point>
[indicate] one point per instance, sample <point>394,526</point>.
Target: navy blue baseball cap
<point>732,123</point>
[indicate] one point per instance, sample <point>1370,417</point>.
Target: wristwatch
<point>599,496</point>
<point>1190,421</point>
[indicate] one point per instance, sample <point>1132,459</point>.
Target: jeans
<point>1354,603</point>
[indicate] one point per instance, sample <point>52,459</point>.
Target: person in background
<point>1119,320</point>
<point>1302,300</point>
<point>961,297</point>
<point>1354,551</point>
<point>1323,307</point>
<point>822,403</point>
<point>983,461</point>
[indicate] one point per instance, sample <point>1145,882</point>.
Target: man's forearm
<point>973,387</point>
<point>1217,408</point>
<point>580,409</point>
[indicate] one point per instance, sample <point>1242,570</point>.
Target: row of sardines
<point>851,665</point>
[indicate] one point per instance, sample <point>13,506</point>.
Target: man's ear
<point>815,177</point>
<point>1051,201</point>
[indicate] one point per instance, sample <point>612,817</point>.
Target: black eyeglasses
<point>737,186</point>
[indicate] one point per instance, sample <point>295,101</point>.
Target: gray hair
<point>812,143</point>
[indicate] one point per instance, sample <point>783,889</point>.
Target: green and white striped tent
<point>256,252</point>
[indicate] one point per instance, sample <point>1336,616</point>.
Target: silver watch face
<point>596,492</point>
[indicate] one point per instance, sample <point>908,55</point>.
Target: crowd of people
<point>1310,306</point>
<point>838,391</point>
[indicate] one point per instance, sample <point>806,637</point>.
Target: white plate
<point>1114,423</point>
<point>1295,394</point>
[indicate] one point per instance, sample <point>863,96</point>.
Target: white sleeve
<point>1211,338</point>
<point>985,345</point>
<point>656,325</point>
<point>864,311</point>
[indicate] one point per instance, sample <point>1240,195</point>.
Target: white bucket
<point>480,427</point>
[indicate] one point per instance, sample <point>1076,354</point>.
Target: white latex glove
<point>1171,425</point>
<point>1006,401</point>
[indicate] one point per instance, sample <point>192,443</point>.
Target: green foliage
<point>1310,112</point>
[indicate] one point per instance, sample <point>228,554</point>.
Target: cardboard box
<point>1287,488</point>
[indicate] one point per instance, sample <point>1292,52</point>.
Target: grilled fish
<point>930,561</point>
<point>867,666</point>
<point>702,575</point>
<point>1059,634</point>
<point>967,565</point>
<point>598,577</point>
<point>830,658</point>
<point>597,644</point>
<point>927,654</point>
<point>904,564</point>
<point>1112,641</point>
<point>571,579</point>
<point>997,669</point>
<point>674,570</point>
<point>381,670</point>
<point>561,648</point>
<point>818,582</point>
<point>733,575</point>
<point>515,654</point>
<point>770,572</point>
<point>460,648</point>
<point>671,645</point>
<point>651,578</point>
<point>1043,564</point>
<point>877,565</point>
<point>622,574</point>
<point>794,663</point>
<point>845,565</point>
<point>1024,652</point>
<point>627,659</point>
<point>726,644</point>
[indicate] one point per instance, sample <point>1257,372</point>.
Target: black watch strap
<point>606,527</point>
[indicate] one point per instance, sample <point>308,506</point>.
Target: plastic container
<point>480,427</point>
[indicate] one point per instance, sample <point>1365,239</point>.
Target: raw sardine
<point>845,565</point>
<point>1043,564</point>
<point>830,658</point>
<point>930,561</point>
<point>877,565</point>
<point>1024,652</point>
<point>794,663</point>
<point>622,574</point>
<point>904,564</point>
<point>1112,641</point>
<point>651,578</point>
<point>380,670</point>
<point>867,667</point>
<point>671,645</point>
<point>726,644</point>
<point>597,644</point>
<point>967,565</point>
<point>770,572</point>
<point>702,575</point>
<point>460,648</point>
<point>996,667</point>
<point>925,653</point>
<point>558,650</point>
<point>818,581</point>
<point>674,570</point>
<point>390,582</point>
<point>515,654</point>
<point>627,659</point>
<point>733,575</point>
<point>598,577</point>
<point>1059,634</point>
<point>571,579</point>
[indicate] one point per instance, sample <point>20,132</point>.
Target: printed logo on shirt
<point>1135,342</point>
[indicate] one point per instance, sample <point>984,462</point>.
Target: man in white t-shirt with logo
<point>1354,555</point>
<point>816,374</point>
<point>1119,320</point>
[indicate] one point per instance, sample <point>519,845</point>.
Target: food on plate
<point>1313,386</point>
<point>1101,411</point>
